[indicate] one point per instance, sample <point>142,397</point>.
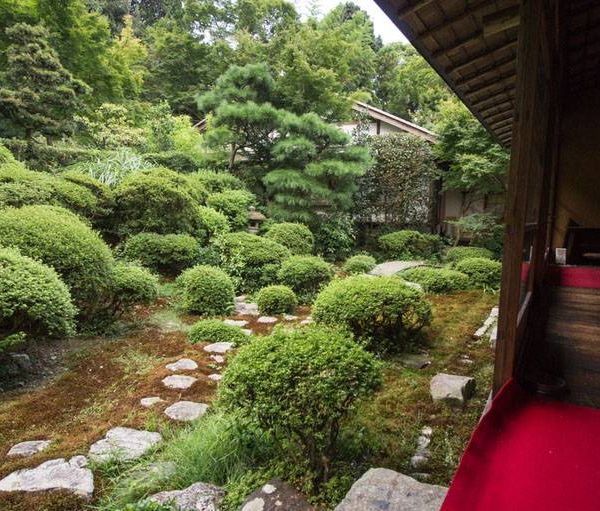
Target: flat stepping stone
<point>179,382</point>
<point>415,361</point>
<point>186,410</point>
<point>290,317</point>
<point>215,377</point>
<point>148,402</point>
<point>267,320</point>
<point>247,309</point>
<point>306,321</point>
<point>183,364</point>
<point>28,449</point>
<point>124,444</point>
<point>247,331</point>
<point>219,359</point>
<point>451,389</point>
<point>390,268</point>
<point>235,322</point>
<point>276,495</point>
<point>197,497</point>
<point>58,474</point>
<point>240,299</point>
<point>219,347</point>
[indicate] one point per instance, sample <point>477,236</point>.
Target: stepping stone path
<point>247,331</point>
<point>183,364</point>
<point>219,347</point>
<point>267,320</point>
<point>57,474</point>
<point>218,359</point>
<point>422,454</point>
<point>452,389</point>
<point>306,321</point>
<point>179,382</point>
<point>148,402</point>
<point>276,496</point>
<point>28,449</point>
<point>390,268</point>
<point>489,326</point>
<point>124,444</point>
<point>215,377</point>
<point>186,411</point>
<point>415,361</point>
<point>290,317</point>
<point>246,309</point>
<point>381,488</point>
<point>197,497</point>
<point>235,322</point>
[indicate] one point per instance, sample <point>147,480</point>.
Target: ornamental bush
<point>306,275</point>
<point>455,254</point>
<point>33,299</point>
<point>234,205</point>
<point>252,261</point>
<point>301,385</point>
<point>335,237</point>
<point>359,264</point>
<point>276,300</point>
<point>61,240</point>
<point>165,253</point>
<point>410,245</point>
<point>131,284</point>
<point>214,330</point>
<point>206,290</point>
<point>382,312</point>
<point>482,272</point>
<point>296,237</point>
<point>437,280</point>
<point>216,182</point>
<point>211,223</point>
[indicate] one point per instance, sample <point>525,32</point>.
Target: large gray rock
<point>124,444</point>
<point>390,268</point>
<point>183,364</point>
<point>57,474</point>
<point>276,496</point>
<point>219,347</point>
<point>235,322</point>
<point>452,389</point>
<point>186,411</point>
<point>29,448</point>
<point>197,497</point>
<point>386,490</point>
<point>178,382</point>
<point>267,320</point>
<point>148,402</point>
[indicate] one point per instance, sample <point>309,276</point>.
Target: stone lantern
<point>255,219</point>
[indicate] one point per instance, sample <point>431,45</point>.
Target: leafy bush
<point>211,223</point>
<point>482,272</point>
<point>382,312</point>
<point>33,299</point>
<point>131,284</point>
<point>276,300</point>
<point>252,261</point>
<point>103,194</point>
<point>359,264</point>
<point>216,182</point>
<point>206,290</point>
<point>234,205</point>
<point>174,160</point>
<point>214,330</point>
<point>410,245</point>
<point>111,167</point>
<point>335,237</point>
<point>483,229</point>
<point>165,253</point>
<point>437,280</point>
<point>301,384</point>
<point>305,275</point>
<point>61,240</point>
<point>455,254</point>
<point>296,237</point>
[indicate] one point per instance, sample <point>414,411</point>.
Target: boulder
<point>197,497</point>
<point>124,444</point>
<point>219,347</point>
<point>415,361</point>
<point>235,322</point>
<point>23,361</point>
<point>29,448</point>
<point>179,382</point>
<point>57,474</point>
<point>276,496</point>
<point>267,320</point>
<point>383,489</point>
<point>452,389</point>
<point>186,411</point>
<point>183,364</point>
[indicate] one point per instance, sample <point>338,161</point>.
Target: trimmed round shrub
<point>206,290</point>
<point>301,384</point>
<point>437,280</point>
<point>455,254</point>
<point>214,330</point>
<point>61,240</point>
<point>296,237</point>
<point>407,244</point>
<point>359,264</point>
<point>306,275</point>
<point>382,312</point>
<point>276,300</point>
<point>482,272</point>
<point>165,253</point>
<point>211,223</point>
<point>251,260</point>
<point>33,299</point>
<point>131,284</point>
<point>234,205</point>
<point>216,182</point>
<point>335,237</point>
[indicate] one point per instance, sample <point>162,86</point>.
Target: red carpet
<point>575,276</point>
<point>527,454</point>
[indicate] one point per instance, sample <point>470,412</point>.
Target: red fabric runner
<point>575,276</point>
<point>530,453</point>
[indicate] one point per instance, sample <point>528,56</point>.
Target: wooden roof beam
<point>473,77</point>
<point>491,84</point>
<point>471,10</point>
<point>409,9</point>
<point>500,116</point>
<point>504,92</point>
<point>485,56</point>
<point>504,131</point>
<point>475,37</point>
<point>501,21</point>
<point>499,125</point>
<point>508,102</point>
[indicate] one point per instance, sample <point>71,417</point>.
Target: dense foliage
<point>437,280</point>
<point>482,272</point>
<point>455,254</point>
<point>306,275</point>
<point>206,290</point>
<point>130,285</point>
<point>214,330</point>
<point>361,263</point>
<point>410,245</point>
<point>276,299</point>
<point>234,204</point>
<point>296,237</point>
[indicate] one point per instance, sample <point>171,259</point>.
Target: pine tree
<point>38,94</point>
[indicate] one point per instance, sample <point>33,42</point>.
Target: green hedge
<point>455,254</point>
<point>306,275</point>
<point>211,223</point>
<point>206,290</point>
<point>216,182</point>
<point>214,330</point>
<point>174,160</point>
<point>296,237</point>
<point>234,204</point>
<point>408,244</point>
<point>131,285</point>
<point>276,300</point>
<point>482,272</point>
<point>359,264</point>
<point>437,280</point>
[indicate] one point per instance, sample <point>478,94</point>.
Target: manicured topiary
<point>276,300</point>
<point>33,299</point>
<point>301,384</point>
<point>211,223</point>
<point>206,290</point>
<point>130,285</point>
<point>408,244</point>
<point>455,254</point>
<point>214,330</point>
<point>252,261</point>
<point>381,311</point>
<point>306,275</point>
<point>165,253</point>
<point>359,264</point>
<point>296,237</point>
<point>437,280</point>
<point>61,240</point>
<point>482,272</point>
<point>234,205</point>
<point>216,182</point>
